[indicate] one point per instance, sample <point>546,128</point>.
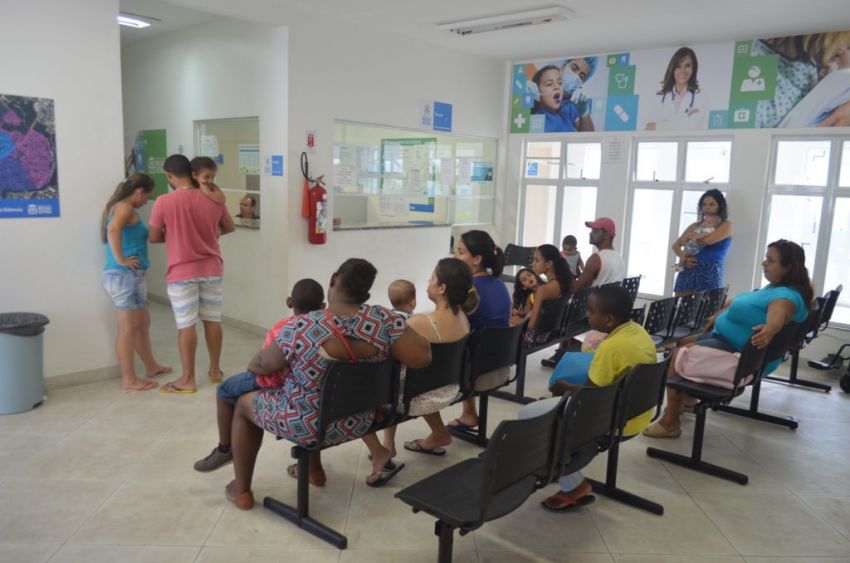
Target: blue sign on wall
<point>442,116</point>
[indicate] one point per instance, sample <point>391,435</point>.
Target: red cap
<point>604,223</point>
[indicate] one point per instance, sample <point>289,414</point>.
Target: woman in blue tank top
<point>477,249</point>
<point>702,247</point>
<point>125,237</point>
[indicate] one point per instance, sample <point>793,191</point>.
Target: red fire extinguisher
<point>314,205</point>
<point>317,231</point>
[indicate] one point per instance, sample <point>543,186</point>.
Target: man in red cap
<point>604,266</point>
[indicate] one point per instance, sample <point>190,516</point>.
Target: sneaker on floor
<point>655,430</point>
<point>213,461</point>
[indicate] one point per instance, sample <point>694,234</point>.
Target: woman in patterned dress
<point>307,344</point>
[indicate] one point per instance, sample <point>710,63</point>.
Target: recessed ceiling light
<point>134,20</point>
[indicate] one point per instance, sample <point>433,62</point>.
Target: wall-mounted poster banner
<point>29,185</point>
<point>798,81</point>
<point>150,151</point>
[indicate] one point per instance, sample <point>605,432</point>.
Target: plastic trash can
<point>21,361</point>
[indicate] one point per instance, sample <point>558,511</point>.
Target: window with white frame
<point>559,192</point>
<point>809,203</point>
<point>668,178</point>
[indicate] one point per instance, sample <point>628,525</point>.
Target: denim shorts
<point>714,340</point>
<point>128,289</point>
<point>231,388</point>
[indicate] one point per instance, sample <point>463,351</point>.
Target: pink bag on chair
<point>710,366</point>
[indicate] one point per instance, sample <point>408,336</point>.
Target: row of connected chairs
<point>748,372</point>
<point>562,319</point>
<point>671,319</point>
<point>354,388</point>
<point>526,455</point>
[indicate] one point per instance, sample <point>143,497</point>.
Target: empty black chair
<point>550,323</point>
<point>632,285</point>
<point>349,389</point>
<point>490,349</point>
<point>639,315</point>
<point>643,389</point>
<point>712,302</point>
<point>519,256</point>
<point>658,319</point>
<point>779,346</point>
<point>449,366</point>
<point>830,301</point>
<point>808,331</point>
<point>518,460</point>
<point>685,321</point>
<point>575,323</point>
<point>750,362</point>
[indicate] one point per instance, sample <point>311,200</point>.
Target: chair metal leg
<point>792,377</point>
<point>753,410</point>
<point>446,535</point>
<point>609,487</point>
<point>300,516</point>
<point>695,461</point>
<point>518,396</point>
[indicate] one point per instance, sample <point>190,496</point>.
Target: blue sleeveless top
<point>715,252</point>
<point>134,242</point>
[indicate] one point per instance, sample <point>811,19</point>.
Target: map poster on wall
<point>29,184</point>
<point>781,82</point>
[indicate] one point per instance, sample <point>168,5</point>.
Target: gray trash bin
<point>21,361</point>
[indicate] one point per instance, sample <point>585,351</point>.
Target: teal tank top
<point>134,242</point>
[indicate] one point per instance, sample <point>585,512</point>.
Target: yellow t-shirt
<point>626,346</point>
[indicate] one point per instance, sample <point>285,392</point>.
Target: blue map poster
<point>29,185</point>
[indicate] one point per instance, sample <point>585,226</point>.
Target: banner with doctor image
<point>795,82</point>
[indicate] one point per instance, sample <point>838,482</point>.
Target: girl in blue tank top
<point>125,237</point>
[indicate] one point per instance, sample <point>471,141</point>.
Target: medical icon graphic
<point>755,82</point>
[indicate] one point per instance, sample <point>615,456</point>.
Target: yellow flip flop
<point>171,388</point>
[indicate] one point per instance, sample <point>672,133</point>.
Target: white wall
<point>220,70</point>
<point>337,71</point>
<point>67,51</point>
<point>231,69</point>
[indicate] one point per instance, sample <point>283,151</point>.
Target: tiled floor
<point>97,474</point>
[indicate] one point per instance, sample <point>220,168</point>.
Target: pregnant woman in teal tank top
<point>125,237</point>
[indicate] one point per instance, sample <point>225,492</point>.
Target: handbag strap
<point>351,355</point>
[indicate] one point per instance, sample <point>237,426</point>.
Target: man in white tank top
<point>604,266</point>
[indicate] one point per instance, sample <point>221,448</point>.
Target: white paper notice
<point>209,145</point>
<point>346,178</point>
<point>614,151</point>
<point>249,158</point>
<point>386,207</point>
<point>464,171</point>
<point>447,173</point>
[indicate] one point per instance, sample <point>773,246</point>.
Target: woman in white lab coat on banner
<point>678,107</point>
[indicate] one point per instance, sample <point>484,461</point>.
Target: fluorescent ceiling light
<point>508,21</point>
<point>134,20</point>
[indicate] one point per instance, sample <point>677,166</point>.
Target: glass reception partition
<point>392,177</point>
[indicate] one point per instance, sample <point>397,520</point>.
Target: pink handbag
<point>710,366</point>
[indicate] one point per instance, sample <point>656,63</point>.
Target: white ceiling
<point>601,26</point>
<point>172,18</point>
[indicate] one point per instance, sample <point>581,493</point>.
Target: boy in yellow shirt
<point>628,344</point>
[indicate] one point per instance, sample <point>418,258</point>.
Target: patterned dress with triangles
<point>292,411</point>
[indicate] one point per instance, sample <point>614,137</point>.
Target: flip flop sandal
<point>171,388</point>
<point>388,466</point>
<point>570,503</point>
<point>460,426</point>
<point>216,379</point>
<point>386,476</point>
<point>416,446</point>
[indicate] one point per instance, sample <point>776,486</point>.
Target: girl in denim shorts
<point>125,237</point>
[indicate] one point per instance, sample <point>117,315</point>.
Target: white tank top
<point>612,268</point>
